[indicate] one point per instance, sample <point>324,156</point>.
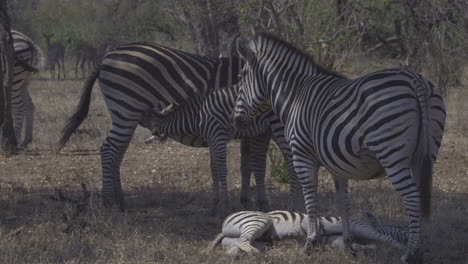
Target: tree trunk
<point>465,20</point>
<point>209,37</point>
<point>7,134</point>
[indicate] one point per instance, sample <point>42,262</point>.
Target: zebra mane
<point>282,43</point>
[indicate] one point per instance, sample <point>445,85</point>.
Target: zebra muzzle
<point>240,122</point>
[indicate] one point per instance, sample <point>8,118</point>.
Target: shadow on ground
<point>154,212</point>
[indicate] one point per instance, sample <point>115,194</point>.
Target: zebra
<point>55,56</point>
<point>250,231</point>
<point>86,57</point>
<point>138,77</point>
<point>26,52</point>
<point>209,117</point>
<point>398,233</point>
<point>387,122</point>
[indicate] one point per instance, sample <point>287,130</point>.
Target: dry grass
<point>168,196</point>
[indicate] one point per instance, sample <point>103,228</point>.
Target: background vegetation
<point>420,34</point>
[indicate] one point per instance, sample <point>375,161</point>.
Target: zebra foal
<point>209,117</point>
<point>250,231</point>
<point>389,123</point>
<point>137,78</point>
<point>27,54</point>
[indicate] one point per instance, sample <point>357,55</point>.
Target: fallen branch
<point>383,42</point>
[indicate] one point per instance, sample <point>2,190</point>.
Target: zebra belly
<point>364,167</point>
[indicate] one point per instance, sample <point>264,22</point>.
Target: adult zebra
<point>210,117</point>
<point>139,77</point>
<point>388,122</point>
<point>26,52</point>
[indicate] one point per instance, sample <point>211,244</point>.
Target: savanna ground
<point>168,195</point>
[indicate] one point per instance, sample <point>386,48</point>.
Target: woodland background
<point>420,34</point>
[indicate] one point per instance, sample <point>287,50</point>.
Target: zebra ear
<point>244,52</point>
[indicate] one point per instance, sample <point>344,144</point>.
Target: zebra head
<point>152,119</point>
<point>251,100</point>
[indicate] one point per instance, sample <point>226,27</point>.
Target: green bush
<point>278,167</point>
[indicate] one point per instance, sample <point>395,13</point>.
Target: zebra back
<point>27,51</point>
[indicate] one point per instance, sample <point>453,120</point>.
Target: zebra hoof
<point>111,203</point>
<point>412,258</point>
<point>19,149</point>
<point>310,243</point>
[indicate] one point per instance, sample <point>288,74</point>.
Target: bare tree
<point>210,23</point>
<point>7,137</point>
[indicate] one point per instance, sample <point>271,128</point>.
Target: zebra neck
<point>225,73</point>
<point>281,98</point>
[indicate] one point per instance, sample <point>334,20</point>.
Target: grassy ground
<point>168,196</point>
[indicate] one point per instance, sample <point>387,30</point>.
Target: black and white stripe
<point>210,118</point>
<point>248,230</point>
<point>388,122</point>
<point>396,232</point>
<point>27,55</point>
<point>135,79</point>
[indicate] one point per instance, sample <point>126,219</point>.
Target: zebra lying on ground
<point>251,231</point>
<point>388,122</point>
<point>210,118</point>
<point>26,54</point>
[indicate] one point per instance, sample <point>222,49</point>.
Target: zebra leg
<point>341,187</point>
<point>52,70</point>
<point>403,182</point>
<point>112,152</point>
<point>62,65</point>
<point>306,170</point>
<point>218,165</point>
<point>215,184</point>
<point>259,149</point>
<point>245,174</point>
<point>29,116</point>
<point>229,243</point>
<point>58,70</point>
<point>17,109</point>
<point>251,231</point>
<point>77,66</point>
<point>398,233</point>
<point>214,243</point>
<point>362,229</point>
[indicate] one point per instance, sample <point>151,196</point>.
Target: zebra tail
<point>214,243</point>
<point>40,56</point>
<point>424,162</point>
<point>81,111</point>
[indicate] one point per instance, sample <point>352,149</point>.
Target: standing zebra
<point>388,122</point>
<point>210,118</point>
<point>26,52</point>
<point>141,77</point>
<point>55,56</point>
<point>248,231</point>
